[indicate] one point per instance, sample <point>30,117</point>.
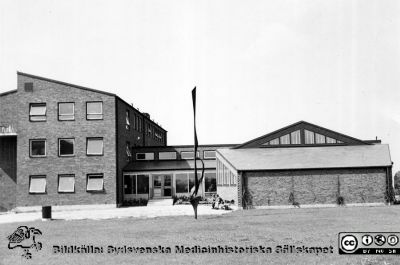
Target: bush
<point>340,200</point>
<point>135,202</point>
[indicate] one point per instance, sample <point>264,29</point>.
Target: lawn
<point>269,228</point>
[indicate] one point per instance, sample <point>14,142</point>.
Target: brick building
<point>305,164</point>
<point>63,144</point>
<point>70,143</point>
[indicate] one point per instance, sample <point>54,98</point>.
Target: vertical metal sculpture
<point>194,198</point>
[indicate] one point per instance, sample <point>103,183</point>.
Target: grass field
<point>309,227</point>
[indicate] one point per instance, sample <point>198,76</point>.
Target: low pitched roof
<point>160,165</point>
<point>256,159</point>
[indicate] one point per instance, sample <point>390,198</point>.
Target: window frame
<point>45,113</point>
<point>207,157</point>
<point>94,175</point>
<point>127,120</point>
<point>168,152</point>
<point>60,115</point>
<point>145,156</point>
<point>192,158</point>
<point>38,177</point>
<point>30,148</point>
<point>102,111</point>
<point>94,138</point>
<point>59,147</point>
<point>58,184</point>
<point>128,151</point>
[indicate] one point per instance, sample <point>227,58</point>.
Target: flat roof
<point>356,156</point>
<point>163,165</point>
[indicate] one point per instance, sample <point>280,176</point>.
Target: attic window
<point>28,87</point>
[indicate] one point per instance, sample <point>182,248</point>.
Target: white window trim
<point>191,152</point>
<point>38,177</point>
<point>59,147</point>
<point>95,175</point>
<point>172,152</point>
<point>100,113</point>
<point>61,115</point>
<point>68,191</point>
<point>87,145</point>
<point>36,140</point>
<point>31,115</point>
<point>208,157</point>
<point>145,154</point>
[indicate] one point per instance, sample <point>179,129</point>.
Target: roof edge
<point>8,92</point>
<point>65,83</point>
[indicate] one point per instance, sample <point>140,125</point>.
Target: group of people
<point>219,203</point>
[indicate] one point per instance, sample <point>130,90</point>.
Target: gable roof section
<point>65,84</point>
<point>301,125</point>
<point>258,159</point>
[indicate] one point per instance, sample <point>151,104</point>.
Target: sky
<point>257,65</point>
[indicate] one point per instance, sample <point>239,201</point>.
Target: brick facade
<point>52,129</point>
<point>317,186</point>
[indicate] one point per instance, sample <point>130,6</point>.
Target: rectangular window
<point>37,148</point>
<point>285,139</point>
<point>309,137</point>
<point>37,112</point>
<point>319,138</point>
<point>66,147</point>
<point>274,141</point>
<point>188,154</point>
<point>95,182</point>
<point>66,111</point>
<point>128,120</point>
<point>181,182</point>
<point>145,156</point>
<point>134,121</point>
<point>210,182</point>
<point>209,154</point>
<point>37,184</point>
<point>295,137</point>
<point>130,184</point>
<point>94,110</point>
<point>142,184</point>
<point>94,146</point>
<point>167,156</point>
<point>330,140</point>
<point>128,151</point>
<point>66,183</point>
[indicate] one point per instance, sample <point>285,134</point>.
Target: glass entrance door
<point>162,186</point>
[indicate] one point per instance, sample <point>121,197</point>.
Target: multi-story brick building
<point>70,143</point>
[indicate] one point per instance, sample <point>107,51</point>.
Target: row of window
<point>137,125</point>
<point>310,137</point>
<point>66,111</point>
<point>225,176</point>
<point>66,183</point>
<point>187,155</point>
<point>66,147</point>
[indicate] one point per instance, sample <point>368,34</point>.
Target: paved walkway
<point>96,214</point>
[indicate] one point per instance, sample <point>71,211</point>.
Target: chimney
<point>146,114</point>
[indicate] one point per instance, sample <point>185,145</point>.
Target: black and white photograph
<point>200,132</point>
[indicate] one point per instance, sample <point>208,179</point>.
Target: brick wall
<point>51,93</point>
<point>317,186</point>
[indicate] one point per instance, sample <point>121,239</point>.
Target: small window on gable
<point>295,137</point>
<point>66,111</point>
<point>94,110</point>
<point>339,142</point>
<point>95,182</point>
<point>37,112</point>
<point>274,141</point>
<point>285,139</point>
<point>330,140</point>
<point>28,87</point>
<point>319,138</point>
<point>309,137</point>
<point>66,183</point>
<point>37,184</point>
